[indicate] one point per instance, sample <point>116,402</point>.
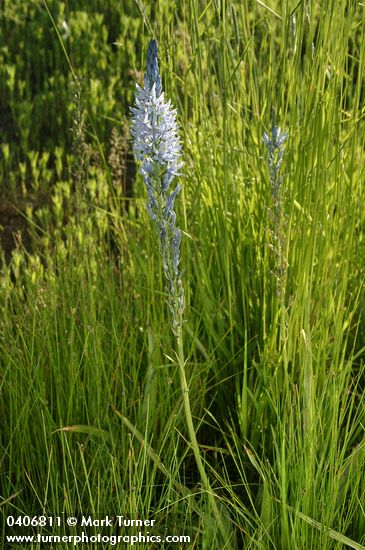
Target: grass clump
<point>93,416</point>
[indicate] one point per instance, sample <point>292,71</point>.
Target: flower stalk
<point>157,146</point>
<point>275,152</point>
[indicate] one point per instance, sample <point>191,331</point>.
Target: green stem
<point>192,436</point>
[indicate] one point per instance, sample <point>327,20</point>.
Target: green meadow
<point>93,417</point>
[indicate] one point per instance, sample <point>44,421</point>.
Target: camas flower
<point>157,146</point>
<point>275,152</point>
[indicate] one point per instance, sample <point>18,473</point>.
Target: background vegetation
<point>92,416</point>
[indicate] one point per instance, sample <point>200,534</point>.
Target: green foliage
<point>90,401</point>
<point>36,83</point>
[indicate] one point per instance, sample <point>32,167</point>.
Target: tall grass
<point>92,413</point>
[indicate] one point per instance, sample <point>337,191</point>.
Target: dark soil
<point>13,228</point>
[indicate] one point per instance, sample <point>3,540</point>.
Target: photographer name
<point>112,521</point>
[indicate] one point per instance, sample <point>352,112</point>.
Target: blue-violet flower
<point>157,145</point>
<point>275,152</point>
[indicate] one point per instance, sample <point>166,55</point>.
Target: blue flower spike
<point>157,145</point>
